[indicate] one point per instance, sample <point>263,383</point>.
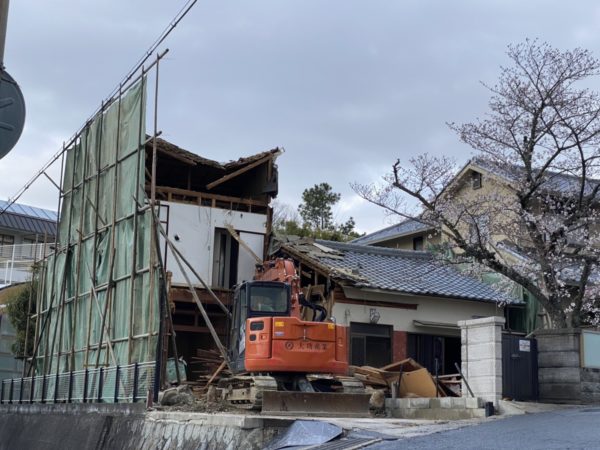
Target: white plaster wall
<point>428,309</point>
<point>246,262</point>
<point>194,226</point>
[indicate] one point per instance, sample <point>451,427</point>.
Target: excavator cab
<point>254,299</point>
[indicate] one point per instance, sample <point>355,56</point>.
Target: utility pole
<point>3,22</point>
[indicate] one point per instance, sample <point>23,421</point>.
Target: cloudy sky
<point>346,87</point>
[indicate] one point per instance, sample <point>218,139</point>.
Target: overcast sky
<point>346,87</point>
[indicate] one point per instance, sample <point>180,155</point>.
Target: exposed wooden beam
<point>238,172</point>
<point>197,194</point>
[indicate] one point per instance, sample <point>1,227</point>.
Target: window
<point>225,259</point>
<point>479,229</point>
<point>29,248</point>
<point>269,299</point>
<point>418,243</point>
<point>6,241</point>
<point>476,180</point>
<point>370,345</point>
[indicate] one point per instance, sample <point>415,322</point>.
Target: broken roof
<point>176,152</point>
<point>250,177</point>
<point>410,272</point>
<point>404,228</point>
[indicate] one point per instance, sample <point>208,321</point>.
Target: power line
<point>139,63</point>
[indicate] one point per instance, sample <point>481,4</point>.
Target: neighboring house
<point>25,232</point>
<point>409,234</point>
<point>396,303</point>
<point>480,179</point>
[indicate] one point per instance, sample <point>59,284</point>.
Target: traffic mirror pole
<point>3,22</point>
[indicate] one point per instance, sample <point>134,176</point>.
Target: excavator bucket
<point>288,403</point>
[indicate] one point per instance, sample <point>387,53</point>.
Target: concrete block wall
<point>560,375</point>
<point>481,354</point>
<point>443,408</point>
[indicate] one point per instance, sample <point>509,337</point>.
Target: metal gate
<point>519,368</point>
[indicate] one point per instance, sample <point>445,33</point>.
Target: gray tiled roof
<point>411,272</point>
<point>28,219</point>
<point>553,181</point>
<point>403,228</point>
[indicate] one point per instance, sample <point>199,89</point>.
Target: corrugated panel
<point>25,224</point>
<point>400,229</point>
<point>29,211</point>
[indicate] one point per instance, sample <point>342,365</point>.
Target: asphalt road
<point>562,429</point>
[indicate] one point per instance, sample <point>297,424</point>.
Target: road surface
<point>577,428</point>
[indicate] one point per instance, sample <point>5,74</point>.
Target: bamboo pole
<point>76,300</point>
<point>105,329</point>
<point>95,235</point>
<point>141,147</point>
<point>152,223</point>
<point>112,255</point>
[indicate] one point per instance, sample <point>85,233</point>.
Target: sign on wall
<point>590,349</point>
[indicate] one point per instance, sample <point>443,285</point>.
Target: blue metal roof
<point>27,219</point>
<point>29,211</point>
<point>403,228</point>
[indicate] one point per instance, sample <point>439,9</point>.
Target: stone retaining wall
<point>83,426</point>
<point>561,377</point>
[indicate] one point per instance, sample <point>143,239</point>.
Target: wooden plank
<point>214,375</point>
<point>240,241</point>
<point>406,365</point>
<point>238,172</point>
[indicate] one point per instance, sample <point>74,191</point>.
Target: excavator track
<point>347,397</point>
<point>246,392</point>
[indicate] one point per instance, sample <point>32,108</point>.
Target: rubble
<point>407,379</point>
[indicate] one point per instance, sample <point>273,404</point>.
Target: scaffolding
<point>99,294</point>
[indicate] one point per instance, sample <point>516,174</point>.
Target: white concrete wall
<point>481,355</point>
<point>195,227</point>
<point>429,309</point>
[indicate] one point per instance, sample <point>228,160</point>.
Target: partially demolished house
<point>146,229</point>
<point>218,217</point>
<point>396,303</point>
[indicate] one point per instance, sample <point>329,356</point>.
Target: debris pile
<point>207,367</point>
<point>407,378</point>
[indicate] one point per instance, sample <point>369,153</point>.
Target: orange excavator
<point>281,363</point>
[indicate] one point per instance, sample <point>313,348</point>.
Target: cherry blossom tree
<point>540,141</point>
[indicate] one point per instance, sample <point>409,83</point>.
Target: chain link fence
<point>119,384</point>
